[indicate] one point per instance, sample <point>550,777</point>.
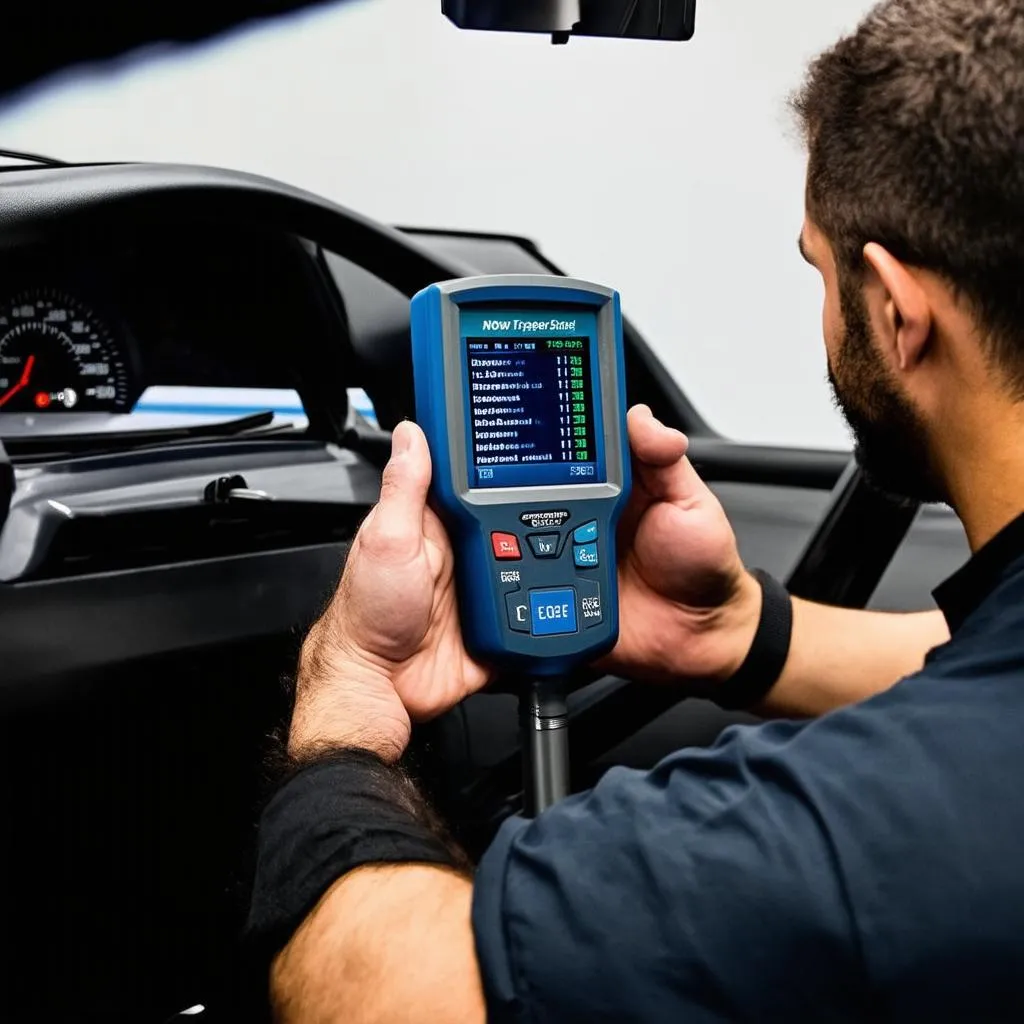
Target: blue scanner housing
<point>520,389</point>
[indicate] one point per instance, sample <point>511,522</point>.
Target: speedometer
<point>57,355</point>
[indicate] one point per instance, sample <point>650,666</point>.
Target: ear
<point>899,306</point>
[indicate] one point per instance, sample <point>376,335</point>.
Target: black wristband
<point>768,652</point>
<point>335,815</point>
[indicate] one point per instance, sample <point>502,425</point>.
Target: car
<point>157,574</point>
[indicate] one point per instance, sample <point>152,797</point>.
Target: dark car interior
<point>155,583</point>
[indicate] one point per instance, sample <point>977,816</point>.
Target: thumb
<point>660,458</point>
<point>396,526</point>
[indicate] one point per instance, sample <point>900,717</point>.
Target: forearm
<point>839,656</point>
<point>361,900</point>
<point>384,944</point>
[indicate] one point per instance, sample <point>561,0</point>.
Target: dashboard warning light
<point>42,400</point>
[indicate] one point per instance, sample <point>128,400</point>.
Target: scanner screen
<point>532,398</point>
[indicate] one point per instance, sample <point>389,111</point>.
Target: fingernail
<point>400,440</point>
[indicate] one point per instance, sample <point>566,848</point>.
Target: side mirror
<point>622,19</point>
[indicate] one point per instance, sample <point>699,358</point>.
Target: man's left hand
<point>388,649</point>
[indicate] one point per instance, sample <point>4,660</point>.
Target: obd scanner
<point>520,390</point>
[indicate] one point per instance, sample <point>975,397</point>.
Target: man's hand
<point>388,648</point>
<point>687,607</point>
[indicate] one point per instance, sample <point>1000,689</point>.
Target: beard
<point>891,441</point>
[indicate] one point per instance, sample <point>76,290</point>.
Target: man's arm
<point>356,878</point>
<point>688,608</point>
<point>840,656</point>
<point>705,890</point>
<point>370,933</point>
<point>388,943</point>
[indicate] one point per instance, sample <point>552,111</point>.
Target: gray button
<point>544,545</point>
<point>589,592</point>
<point>517,605</point>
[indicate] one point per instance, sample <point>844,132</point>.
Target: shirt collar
<point>974,581</point>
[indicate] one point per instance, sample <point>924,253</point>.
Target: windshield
<point>665,170</point>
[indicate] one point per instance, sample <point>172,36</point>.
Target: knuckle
<point>386,541</point>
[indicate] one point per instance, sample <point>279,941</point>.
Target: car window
<point>665,170</point>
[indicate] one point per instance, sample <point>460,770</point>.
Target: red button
<point>505,545</point>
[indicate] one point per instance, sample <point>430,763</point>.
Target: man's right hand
<point>688,609</point>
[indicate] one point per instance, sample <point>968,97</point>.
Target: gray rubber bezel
<point>611,411</point>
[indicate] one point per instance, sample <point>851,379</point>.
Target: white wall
<point>666,170</point>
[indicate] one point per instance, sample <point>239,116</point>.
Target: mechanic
<point>859,860</point>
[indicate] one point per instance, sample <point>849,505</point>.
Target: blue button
<point>585,556</point>
<point>552,611</point>
<point>585,533</point>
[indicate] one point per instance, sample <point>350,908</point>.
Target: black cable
<point>543,720</point>
<point>32,158</point>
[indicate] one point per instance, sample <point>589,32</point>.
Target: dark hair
<point>914,127</point>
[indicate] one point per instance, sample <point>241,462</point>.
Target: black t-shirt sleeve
<point>709,889</point>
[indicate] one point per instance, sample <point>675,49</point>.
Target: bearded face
<point>891,439</point>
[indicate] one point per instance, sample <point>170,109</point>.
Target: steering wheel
<point>37,203</point>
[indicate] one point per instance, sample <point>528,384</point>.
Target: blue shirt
<point>868,864</point>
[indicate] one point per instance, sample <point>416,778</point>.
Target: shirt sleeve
<point>708,889</point>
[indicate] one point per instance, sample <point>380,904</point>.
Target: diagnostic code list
<point>531,401</point>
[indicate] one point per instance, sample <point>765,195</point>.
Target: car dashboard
<point>142,375</point>
<point>91,322</point>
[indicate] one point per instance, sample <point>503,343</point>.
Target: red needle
<point>25,375</point>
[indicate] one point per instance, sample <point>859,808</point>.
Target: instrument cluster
<point>59,355</point>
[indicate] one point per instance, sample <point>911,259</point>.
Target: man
<point>862,864</point>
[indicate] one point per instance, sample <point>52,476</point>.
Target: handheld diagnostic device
<point>520,390</point>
